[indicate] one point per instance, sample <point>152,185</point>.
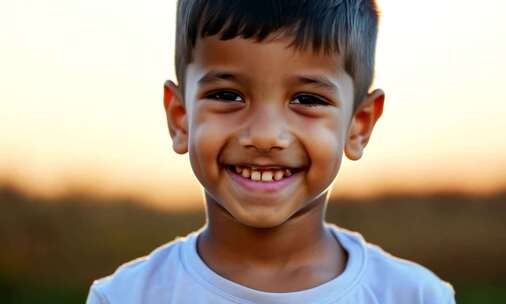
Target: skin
<point>265,103</point>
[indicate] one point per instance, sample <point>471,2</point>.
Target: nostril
<point>264,141</point>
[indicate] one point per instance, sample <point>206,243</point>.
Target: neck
<point>297,241</point>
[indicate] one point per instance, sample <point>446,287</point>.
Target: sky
<point>81,101</point>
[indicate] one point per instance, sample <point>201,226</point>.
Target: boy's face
<point>266,125</point>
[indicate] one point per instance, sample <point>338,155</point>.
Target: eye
<point>226,96</point>
<point>309,100</point>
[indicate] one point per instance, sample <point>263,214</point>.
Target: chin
<point>259,219</point>
<point>250,214</point>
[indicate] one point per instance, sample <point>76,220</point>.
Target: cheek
<point>207,137</point>
<point>325,153</point>
<point>324,142</point>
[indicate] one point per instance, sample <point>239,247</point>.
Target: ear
<point>362,124</point>
<point>176,117</point>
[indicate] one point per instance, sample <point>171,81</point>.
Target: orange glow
<point>81,102</point>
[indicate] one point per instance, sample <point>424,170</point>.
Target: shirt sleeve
<point>94,297</point>
<point>450,294</point>
<point>442,294</point>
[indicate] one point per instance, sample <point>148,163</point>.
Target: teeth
<point>267,176</point>
<point>256,175</point>
<point>245,172</point>
<point>264,176</point>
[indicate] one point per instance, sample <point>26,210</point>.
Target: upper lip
<point>266,166</point>
<point>296,160</point>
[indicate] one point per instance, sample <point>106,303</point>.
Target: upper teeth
<point>262,175</point>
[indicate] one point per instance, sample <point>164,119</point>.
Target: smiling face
<point>266,125</point>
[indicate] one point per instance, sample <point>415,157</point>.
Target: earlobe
<point>362,124</point>
<point>176,117</point>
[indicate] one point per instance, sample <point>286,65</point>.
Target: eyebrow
<point>313,80</point>
<point>318,81</point>
<point>214,75</point>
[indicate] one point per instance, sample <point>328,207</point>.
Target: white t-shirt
<point>175,273</point>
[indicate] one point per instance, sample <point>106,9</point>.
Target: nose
<point>265,131</point>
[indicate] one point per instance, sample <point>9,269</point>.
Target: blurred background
<point>88,178</point>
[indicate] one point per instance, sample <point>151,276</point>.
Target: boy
<point>270,95</point>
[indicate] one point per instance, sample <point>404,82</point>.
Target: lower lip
<point>272,186</point>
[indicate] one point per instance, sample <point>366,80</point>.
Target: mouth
<point>263,174</point>
<point>264,179</point>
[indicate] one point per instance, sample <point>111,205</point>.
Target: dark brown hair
<point>345,27</point>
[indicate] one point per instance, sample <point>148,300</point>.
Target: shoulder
<point>129,279</point>
<point>386,277</point>
<point>404,278</point>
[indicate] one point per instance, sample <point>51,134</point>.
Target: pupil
<point>227,96</point>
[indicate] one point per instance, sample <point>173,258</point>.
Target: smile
<point>263,178</point>
<point>262,174</point>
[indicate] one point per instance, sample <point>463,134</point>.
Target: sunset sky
<point>81,100</point>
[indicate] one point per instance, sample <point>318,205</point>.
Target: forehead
<point>271,59</point>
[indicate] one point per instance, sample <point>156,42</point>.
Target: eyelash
<point>317,101</point>
<point>214,95</point>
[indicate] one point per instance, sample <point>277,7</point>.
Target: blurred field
<point>51,251</point>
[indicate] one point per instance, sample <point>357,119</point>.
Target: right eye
<point>225,96</point>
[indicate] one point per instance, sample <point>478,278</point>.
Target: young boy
<point>269,96</point>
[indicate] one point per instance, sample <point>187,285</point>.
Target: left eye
<point>226,96</point>
<point>309,100</point>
